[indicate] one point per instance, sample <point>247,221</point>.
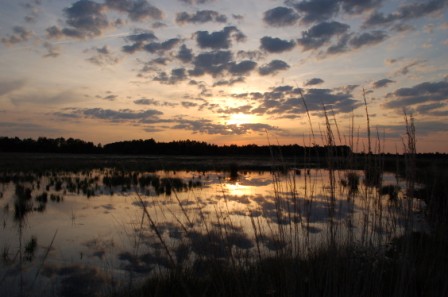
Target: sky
<point>226,72</point>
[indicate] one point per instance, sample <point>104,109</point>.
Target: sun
<point>240,118</point>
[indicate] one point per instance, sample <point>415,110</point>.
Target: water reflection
<point>111,223</point>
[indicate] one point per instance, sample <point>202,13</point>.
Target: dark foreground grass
<point>412,265</point>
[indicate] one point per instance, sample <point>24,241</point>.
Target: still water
<point>96,230</point>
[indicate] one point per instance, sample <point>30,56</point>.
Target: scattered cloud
<point>406,12</point>
<point>184,54</point>
<point>406,69</point>
<point>280,17</point>
<point>161,47</point>
<point>368,38</point>
<point>53,51</point>
<point>137,10</point>
<point>85,18</point>
<point>177,75</point>
<point>15,128</point>
<point>382,83</point>
<point>317,10</point>
<point>276,45</point>
<point>219,39</point>
<point>358,7</point>
<point>204,126</point>
<point>118,115</point>
<point>321,34</point>
<point>139,39</point>
<point>20,34</point>
<point>273,67</point>
<point>201,16</point>
<point>286,102</point>
<point>10,86</point>
<point>214,63</point>
<point>103,56</point>
<point>145,101</point>
<point>194,2</point>
<point>421,94</point>
<point>229,82</point>
<point>242,68</point>
<point>314,81</point>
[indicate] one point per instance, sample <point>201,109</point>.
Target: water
<point>105,228</point>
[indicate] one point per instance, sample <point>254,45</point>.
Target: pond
<point>95,230</point>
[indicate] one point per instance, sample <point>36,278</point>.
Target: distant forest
<point>151,147</point>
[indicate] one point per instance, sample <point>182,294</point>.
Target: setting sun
<point>240,118</point>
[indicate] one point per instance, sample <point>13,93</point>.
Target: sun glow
<point>240,118</point>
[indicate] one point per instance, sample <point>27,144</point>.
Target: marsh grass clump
<point>22,202</point>
<point>391,191</point>
<point>30,249</point>
<point>233,172</point>
<point>351,181</point>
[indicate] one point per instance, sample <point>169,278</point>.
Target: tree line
<point>151,147</point>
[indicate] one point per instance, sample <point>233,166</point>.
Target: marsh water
<point>72,233</point>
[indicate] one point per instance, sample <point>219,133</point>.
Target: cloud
<point>201,16</point>
<point>382,83</point>
<point>204,126</point>
<point>229,82</point>
<point>142,36</point>
<point>219,39</point>
<point>193,2</point>
<point>338,101</point>
<point>321,34</point>
<point>160,47</point>
<point>317,10</point>
<point>110,97</point>
<point>33,11</point>
<point>276,45</point>
<point>144,101</point>
<point>177,75</point>
<point>341,45</point>
<point>46,97</point>
<point>314,81</point>
<point>431,108</point>
<point>406,12</point>
<point>184,54</point>
<point>139,41</point>
<point>286,102</point>
<point>242,68</point>
<point>52,50</point>
<point>20,34</point>
<point>25,128</point>
<point>348,41</point>
<point>358,7</point>
<point>252,55</point>
<point>280,17</point>
<point>214,63</point>
<point>10,86</point>
<point>118,115</point>
<point>188,104</point>
<point>138,10</point>
<point>86,18</point>
<point>424,93</point>
<point>273,67</point>
<point>103,57</point>
<point>368,38</point>
<point>407,68</point>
